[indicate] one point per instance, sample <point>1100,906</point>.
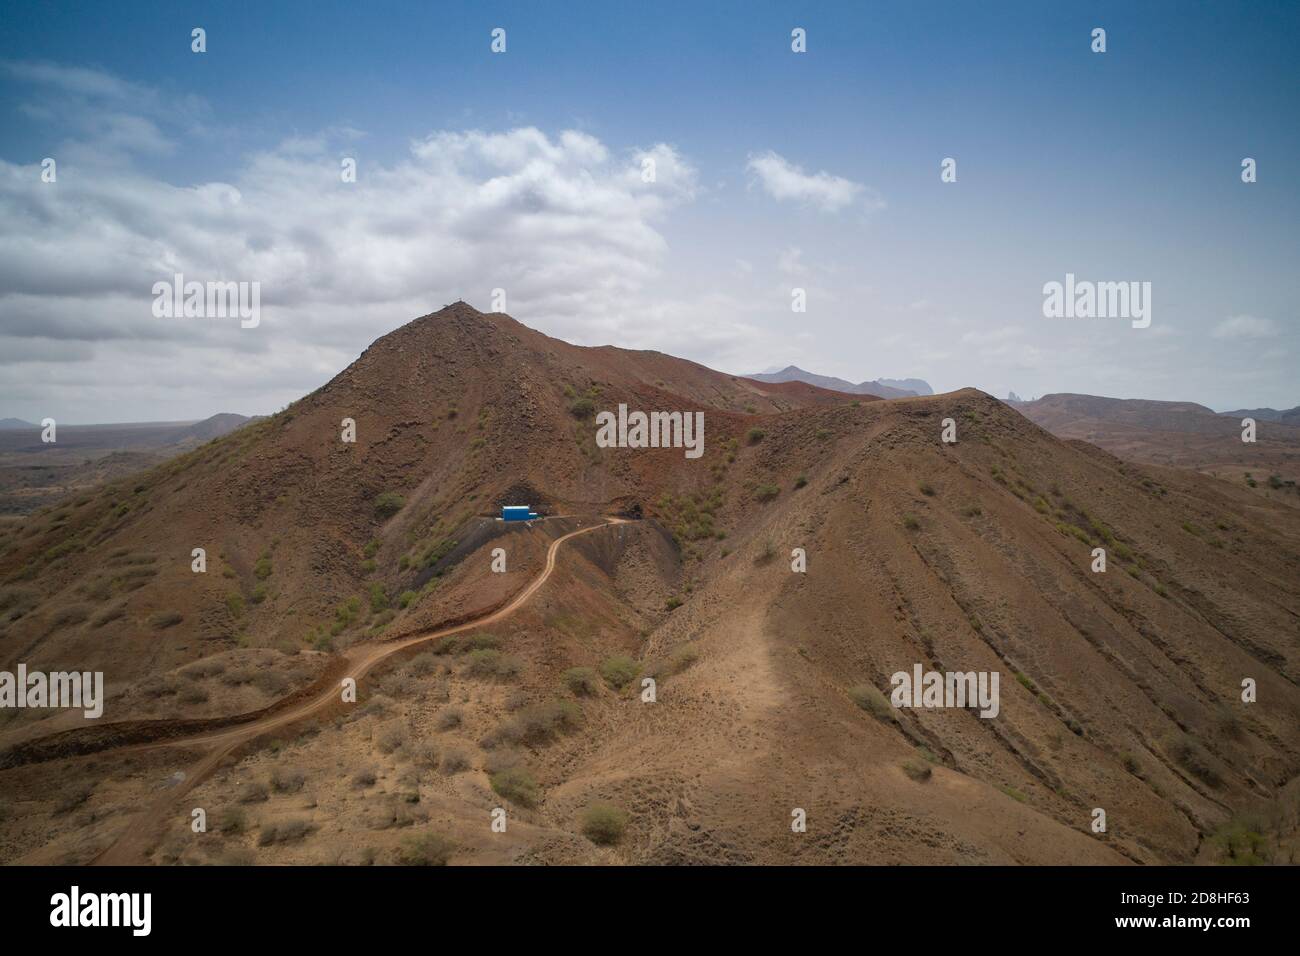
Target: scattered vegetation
<point>581,681</point>
<point>918,770</point>
<point>517,785</point>
<point>872,701</point>
<point>619,671</point>
<point>426,849</point>
<point>388,504</point>
<point>604,823</point>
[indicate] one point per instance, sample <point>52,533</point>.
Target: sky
<point>526,171</point>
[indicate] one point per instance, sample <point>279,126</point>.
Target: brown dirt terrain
<point>1178,435</point>
<point>1119,690</point>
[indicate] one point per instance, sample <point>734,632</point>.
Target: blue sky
<point>1115,167</point>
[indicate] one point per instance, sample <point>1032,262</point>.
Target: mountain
<point>1179,434</point>
<point>212,427</point>
<point>914,385</point>
<point>1288,416</point>
<point>883,388</point>
<point>1119,690</point>
<point>10,424</point>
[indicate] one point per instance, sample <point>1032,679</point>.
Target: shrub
<point>285,831</point>
<point>927,489</point>
<point>910,522</point>
<point>872,701</point>
<point>516,784</point>
<point>423,664</point>
<point>918,770</point>
<point>407,598</point>
<point>388,504</point>
<point>604,823</point>
<point>253,792</point>
<point>541,723</point>
<point>1194,759</point>
<point>193,695</point>
<point>270,682</point>
<point>287,781</point>
<point>800,481</point>
<point>673,603</point>
<point>448,719</point>
<point>454,761</point>
<point>582,408</point>
<point>233,821</point>
<point>619,670</point>
<point>489,663</point>
<point>427,849</point>
<point>766,492</point>
<point>165,619</point>
<point>365,778</point>
<point>754,435</point>
<point>581,681</point>
<point>391,739</point>
<point>262,568</point>
<point>378,598</point>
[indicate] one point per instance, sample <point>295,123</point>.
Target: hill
<point>1119,690</point>
<point>1177,434</point>
<point>882,388</point>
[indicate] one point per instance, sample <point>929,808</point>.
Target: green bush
<point>581,681</point>
<point>755,435</point>
<point>582,408</point>
<point>619,670</point>
<point>918,770</point>
<point>872,701</point>
<point>604,823</point>
<point>427,849</point>
<point>517,785</point>
<point>388,504</point>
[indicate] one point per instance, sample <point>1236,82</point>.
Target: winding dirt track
<point>133,845</point>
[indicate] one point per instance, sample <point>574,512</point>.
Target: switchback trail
<point>134,843</point>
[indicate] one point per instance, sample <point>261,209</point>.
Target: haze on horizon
<point>522,171</point>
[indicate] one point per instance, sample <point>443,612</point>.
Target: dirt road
<point>133,845</point>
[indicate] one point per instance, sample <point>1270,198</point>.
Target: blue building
<point>517,513</point>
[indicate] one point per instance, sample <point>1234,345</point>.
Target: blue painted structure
<point>517,513</point>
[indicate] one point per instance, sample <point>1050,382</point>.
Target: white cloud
<point>1245,327</point>
<point>563,223</point>
<point>783,180</point>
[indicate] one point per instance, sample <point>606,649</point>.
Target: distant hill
<point>1287,416</point>
<point>208,429</point>
<point>1181,434</point>
<point>13,424</point>
<point>881,388</point>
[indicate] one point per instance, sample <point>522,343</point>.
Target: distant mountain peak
<point>881,388</point>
